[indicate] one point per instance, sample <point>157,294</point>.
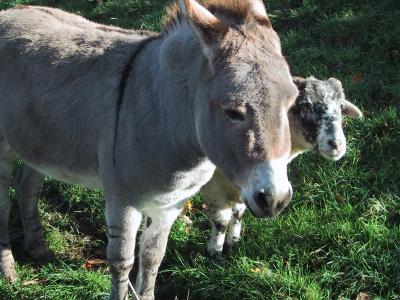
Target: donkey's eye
<point>234,115</point>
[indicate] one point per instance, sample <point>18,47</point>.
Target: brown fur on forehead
<point>231,12</point>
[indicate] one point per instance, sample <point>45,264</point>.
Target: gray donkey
<point>145,116</point>
<point>315,124</point>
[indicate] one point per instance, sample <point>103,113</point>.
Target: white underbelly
<point>186,185</point>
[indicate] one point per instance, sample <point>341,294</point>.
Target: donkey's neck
<point>181,64</point>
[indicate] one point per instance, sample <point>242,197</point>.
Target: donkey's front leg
<point>122,225</point>
<point>28,184</point>
<point>153,243</point>
<point>235,226</point>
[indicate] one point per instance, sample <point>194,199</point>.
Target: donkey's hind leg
<point>153,243</point>
<point>28,184</point>
<point>7,265</point>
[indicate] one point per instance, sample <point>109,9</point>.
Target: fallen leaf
<point>363,296</point>
<point>93,263</point>
<point>318,250</point>
<point>255,270</point>
<point>30,282</point>
<point>188,206</point>
<point>358,78</point>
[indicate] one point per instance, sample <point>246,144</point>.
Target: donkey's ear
<point>208,28</point>
<point>258,10</point>
<point>300,82</point>
<point>350,110</point>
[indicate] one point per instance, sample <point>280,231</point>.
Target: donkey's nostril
<point>335,144</point>
<point>261,198</point>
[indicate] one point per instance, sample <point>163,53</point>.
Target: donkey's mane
<point>231,12</point>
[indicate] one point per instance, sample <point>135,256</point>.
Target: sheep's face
<point>317,116</point>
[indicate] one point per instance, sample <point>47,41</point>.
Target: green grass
<point>341,234</point>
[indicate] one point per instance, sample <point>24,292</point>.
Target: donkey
<point>145,116</point>
<point>315,124</point>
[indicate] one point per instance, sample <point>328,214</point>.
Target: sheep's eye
<point>234,114</point>
<point>303,111</point>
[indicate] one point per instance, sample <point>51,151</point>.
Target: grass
<point>341,234</point>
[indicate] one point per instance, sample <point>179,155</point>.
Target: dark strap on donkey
<point>122,87</point>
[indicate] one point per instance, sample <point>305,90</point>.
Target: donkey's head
<point>242,96</point>
<point>317,116</point>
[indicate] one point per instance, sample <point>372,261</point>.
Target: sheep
<point>315,124</point>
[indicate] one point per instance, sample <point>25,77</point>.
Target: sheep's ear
<point>300,82</point>
<point>207,27</point>
<point>258,10</point>
<point>336,83</point>
<point>350,110</point>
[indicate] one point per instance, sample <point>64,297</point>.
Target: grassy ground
<point>341,234</point>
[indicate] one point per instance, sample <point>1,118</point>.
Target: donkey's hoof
<point>10,276</point>
<point>8,271</point>
<point>7,265</point>
<point>228,249</point>
<point>217,258</point>
<point>43,256</point>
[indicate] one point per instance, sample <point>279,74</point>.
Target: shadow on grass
<point>139,14</point>
<point>74,227</point>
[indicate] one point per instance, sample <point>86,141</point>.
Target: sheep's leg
<point>220,215</point>
<point>28,184</point>
<point>216,194</point>
<point>235,227</point>
<point>123,222</point>
<point>152,246</point>
<point>7,264</point>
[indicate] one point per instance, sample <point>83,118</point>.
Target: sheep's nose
<point>335,144</point>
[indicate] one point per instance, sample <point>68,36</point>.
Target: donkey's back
<point>59,66</point>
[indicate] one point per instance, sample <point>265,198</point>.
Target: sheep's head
<point>316,118</point>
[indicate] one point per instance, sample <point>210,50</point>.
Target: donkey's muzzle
<point>265,205</point>
<point>268,191</point>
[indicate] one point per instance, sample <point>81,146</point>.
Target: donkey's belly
<point>91,181</point>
